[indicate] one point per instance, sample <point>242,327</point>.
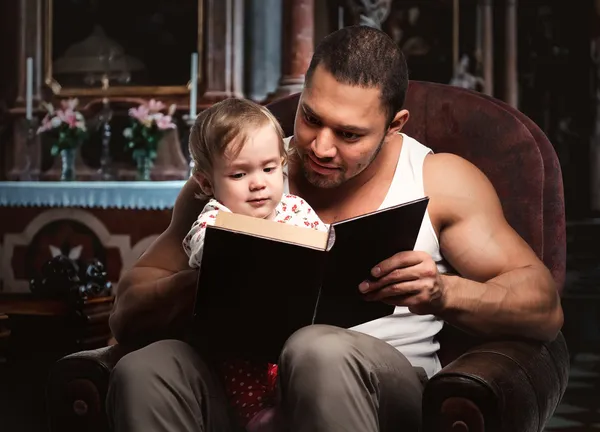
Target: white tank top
<point>413,335</point>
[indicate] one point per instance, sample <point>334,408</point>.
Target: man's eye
<point>237,175</point>
<point>311,119</point>
<point>348,136</point>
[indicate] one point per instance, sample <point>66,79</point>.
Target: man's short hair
<point>366,57</point>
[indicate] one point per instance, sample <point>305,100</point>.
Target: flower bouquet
<point>148,125</point>
<point>68,129</point>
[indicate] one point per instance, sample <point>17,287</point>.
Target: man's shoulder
<point>455,184</point>
<point>448,169</point>
<point>411,140</point>
<point>438,160</point>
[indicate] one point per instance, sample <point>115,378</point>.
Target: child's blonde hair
<point>217,127</point>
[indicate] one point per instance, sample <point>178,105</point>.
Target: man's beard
<point>321,181</point>
<point>333,181</point>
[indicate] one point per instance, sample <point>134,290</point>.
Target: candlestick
<point>194,89</point>
<point>29,89</point>
<point>30,152</point>
<point>190,122</point>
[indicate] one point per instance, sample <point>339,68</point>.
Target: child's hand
<point>265,421</point>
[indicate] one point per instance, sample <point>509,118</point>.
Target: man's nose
<point>323,146</point>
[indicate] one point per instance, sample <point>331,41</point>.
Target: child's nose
<point>257,182</point>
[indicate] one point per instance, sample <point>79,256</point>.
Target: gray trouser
<point>330,379</point>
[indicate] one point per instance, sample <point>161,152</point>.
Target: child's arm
<point>193,243</point>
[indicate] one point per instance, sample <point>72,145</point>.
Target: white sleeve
<point>193,243</point>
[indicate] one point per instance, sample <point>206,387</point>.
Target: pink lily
<point>164,122</point>
<point>155,106</point>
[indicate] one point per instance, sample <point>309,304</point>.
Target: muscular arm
<point>154,299</point>
<point>504,289</point>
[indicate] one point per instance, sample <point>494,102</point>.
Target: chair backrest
<point>504,143</point>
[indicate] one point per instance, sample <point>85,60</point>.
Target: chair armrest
<point>498,386</point>
<point>77,388</point>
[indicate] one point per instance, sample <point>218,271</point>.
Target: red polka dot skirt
<point>250,387</point>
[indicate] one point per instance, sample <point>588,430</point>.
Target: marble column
<point>297,45</point>
<point>224,42</point>
<point>26,158</point>
<point>263,48</point>
<point>30,45</point>
<point>595,139</point>
<point>511,82</point>
<point>455,33</point>
<point>488,46</point>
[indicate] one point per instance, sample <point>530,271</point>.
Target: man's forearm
<point>154,309</point>
<point>523,302</point>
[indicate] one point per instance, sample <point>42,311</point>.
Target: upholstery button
<point>460,426</point>
<point>80,407</point>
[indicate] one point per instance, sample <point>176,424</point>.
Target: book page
<point>273,230</point>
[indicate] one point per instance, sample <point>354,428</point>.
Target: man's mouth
<point>321,167</point>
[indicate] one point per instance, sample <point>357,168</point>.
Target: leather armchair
<point>501,385</point>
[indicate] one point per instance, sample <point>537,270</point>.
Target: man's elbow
<point>120,322</point>
<point>551,319</point>
<point>127,334</point>
<point>117,327</point>
<point>553,323</point>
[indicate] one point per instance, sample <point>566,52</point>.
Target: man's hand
<point>407,279</point>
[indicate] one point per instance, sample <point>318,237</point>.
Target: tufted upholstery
<point>511,386</point>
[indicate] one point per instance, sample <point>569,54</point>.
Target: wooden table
<point>41,332</point>
<point>46,328</point>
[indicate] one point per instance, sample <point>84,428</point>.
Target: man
<point>349,159</point>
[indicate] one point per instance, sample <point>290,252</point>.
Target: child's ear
<point>204,183</point>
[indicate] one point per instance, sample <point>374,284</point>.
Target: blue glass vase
<point>67,157</point>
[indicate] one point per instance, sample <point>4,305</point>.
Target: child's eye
<point>237,175</point>
<point>270,169</point>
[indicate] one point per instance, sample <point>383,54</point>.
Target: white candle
<point>340,17</point>
<point>29,89</point>
<point>194,89</point>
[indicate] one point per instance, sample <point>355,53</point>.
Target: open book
<point>260,280</point>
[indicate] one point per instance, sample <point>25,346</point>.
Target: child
<point>239,156</point>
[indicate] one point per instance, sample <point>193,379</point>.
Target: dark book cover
<point>360,244</point>
<point>253,292</point>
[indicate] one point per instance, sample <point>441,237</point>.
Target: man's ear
<point>204,183</point>
<point>398,122</point>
